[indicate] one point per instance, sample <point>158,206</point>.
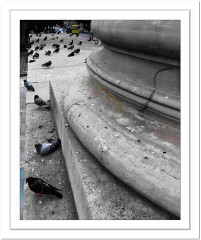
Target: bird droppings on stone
<point>105,148</point>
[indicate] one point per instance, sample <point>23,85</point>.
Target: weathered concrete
<point>98,193</point>
<point>51,168</point>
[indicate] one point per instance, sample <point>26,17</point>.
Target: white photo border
<point>188,13</point>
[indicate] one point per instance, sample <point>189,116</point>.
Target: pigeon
<point>48,147</point>
<point>30,36</point>
<point>65,46</point>
<point>85,60</point>
<point>39,35</point>
<point>31,61</point>
<point>30,53</point>
<point>71,47</point>
<point>56,37</point>
<point>41,47</point>
<point>37,40</point>
<point>45,38</point>
<point>28,86</point>
<point>31,43</point>
<point>71,54</point>
<point>77,35</point>
<point>36,55</point>
<point>55,45</point>
<point>56,50</point>
<point>36,34</point>
<point>52,38</point>
<point>47,64</point>
<point>48,53</point>
<point>40,187</point>
<point>61,40</point>
<point>71,43</point>
<point>70,35</point>
<point>96,42</point>
<point>80,43</point>
<point>77,50</point>
<point>36,48</point>
<point>40,102</point>
<point>29,46</point>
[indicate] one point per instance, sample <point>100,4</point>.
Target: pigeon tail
<point>59,195</point>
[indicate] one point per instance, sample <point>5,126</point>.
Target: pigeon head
<point>25,80</point>
<point>37,145</point>
<point>36,96</point>
<point>29,179</point>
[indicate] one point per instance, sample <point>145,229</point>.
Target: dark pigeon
<point>71,47</point>
<point>71,43</point>
<point>48,53</point>
<point>71,54</point>
<point>30,53</point>
<point>31,61</point>
<point>65,46</point>
<point>37,40</point>
<point>47,64</point>
<point>28,86</point>
<point>56,50</point>
<point>61,40</point>
<point>77,50</point>
<point>48,147</point>
<point>80,43</point>
<point>36,55</point>
<point>45,38</point>
<point>40,102</point>
<point>40,187</point>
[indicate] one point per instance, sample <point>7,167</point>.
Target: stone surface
<point>140,62</point>
<point>98,193</point>
<point>39,126</point>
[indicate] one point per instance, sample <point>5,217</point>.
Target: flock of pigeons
<point>37,185</point>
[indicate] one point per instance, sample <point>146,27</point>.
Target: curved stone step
<point>110,129</point>
<point>98,194</point>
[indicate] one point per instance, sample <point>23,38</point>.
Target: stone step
<point>97,192</point>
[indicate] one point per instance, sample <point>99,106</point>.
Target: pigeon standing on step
<point>28,86</point>
<point>30,53</point>
<point>65,46</point>
<point>40,187</point>
<point>37,40</point>
<point>48,147</point>
<point>31,61</point>
<point>56,50</point>
<point>71,43</point>
<point>71,47</point>
<point>77,50</point>
<point>45,38</point>
<point>36,55</point>
<point>71,54</point>
<point>80,43</point>
<point>40,102</point>
<point>47,64</point>
<point>48,53</point>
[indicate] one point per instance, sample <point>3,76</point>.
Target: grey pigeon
<point>48,147</point>
<point>28,86</point>
<point>40,102</point>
